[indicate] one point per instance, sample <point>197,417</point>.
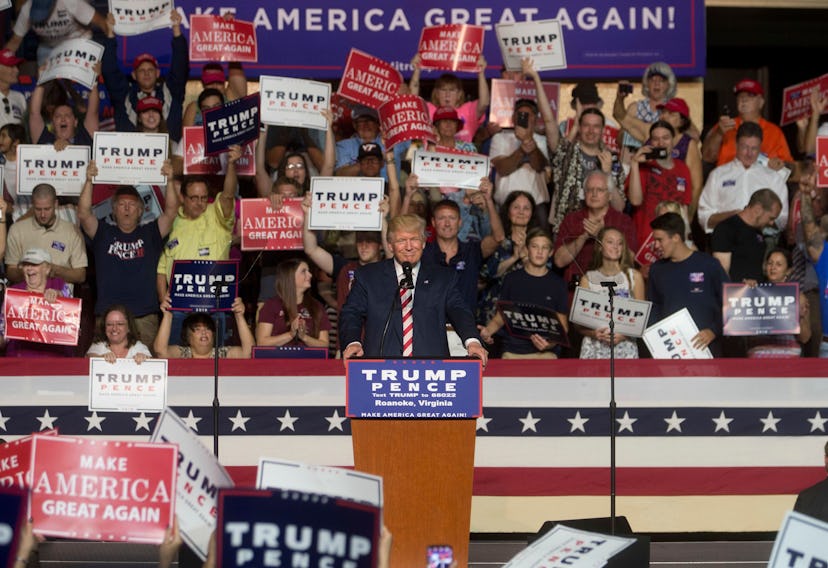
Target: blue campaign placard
<point>193,285</point>
<point>12,507</point>
<point>292,528</point>
<point>234,122</point>
<point>414,388</point>
<point>766,309</point>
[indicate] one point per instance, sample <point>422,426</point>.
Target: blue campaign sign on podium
<point>414,388</point>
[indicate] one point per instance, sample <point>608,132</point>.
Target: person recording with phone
<point>720,144</point>
<point>403,305</point>
<point>656,176</point>
<point>520,156</point>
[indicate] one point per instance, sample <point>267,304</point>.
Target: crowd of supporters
<point>564,206</point>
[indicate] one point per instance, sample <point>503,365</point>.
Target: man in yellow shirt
<point>202,230</point>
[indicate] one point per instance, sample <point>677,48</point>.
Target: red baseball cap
<point>144,58</point>
<point>447,113</point>
<point>676,105</point>
<point>749,86</point>
<point>149,103</point>
<point>9,59</point>
<point>212,75</point>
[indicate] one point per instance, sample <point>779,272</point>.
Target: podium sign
<point>413,388</point>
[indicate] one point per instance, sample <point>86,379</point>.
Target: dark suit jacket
<point>814,501</point>
<point>436,300</point>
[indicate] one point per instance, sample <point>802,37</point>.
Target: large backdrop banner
<point>603,38</point>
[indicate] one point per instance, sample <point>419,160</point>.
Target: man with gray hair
<point>575,239</point>
<point>45,230</point>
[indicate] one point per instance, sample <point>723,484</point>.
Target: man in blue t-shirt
<point>537,285</point>
<point>686,278</point>
<point>126,254</point>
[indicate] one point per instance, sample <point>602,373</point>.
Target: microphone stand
<point>610,286</point>
<point>406,283</point>
<point>403,285</point>
<point>217,290</point>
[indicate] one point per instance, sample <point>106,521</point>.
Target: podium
<point>427,464</point>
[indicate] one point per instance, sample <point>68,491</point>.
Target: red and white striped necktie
<point>407,303</point>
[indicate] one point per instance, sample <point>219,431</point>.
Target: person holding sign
<point>684,278</point>
<point>202,230</point>
<point>213,78</point>
<point>117,337</point>
<point>778,269</point>
<point>375,299</point>
<point>53,22</point>
<point>612,260</point>
<point>536,284</point>
<point>198,336</point>
<point>293,317</point>
<point>65,128</point>
<point>36,266</point>
<point>448,93</point>
<point>126,253</point>
<point>146,80</point>
<point>369,249</point>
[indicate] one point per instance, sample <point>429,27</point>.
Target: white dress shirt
<point>730,186</point>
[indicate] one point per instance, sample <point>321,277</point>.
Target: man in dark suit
<point>374,300</point>
<point>814,500</point>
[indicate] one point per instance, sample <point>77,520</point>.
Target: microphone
<point>610,286</point>
<point>408,276</point>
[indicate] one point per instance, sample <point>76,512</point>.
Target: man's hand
<point>353,350</point>
<point>540,343</point>
<point>776,164</point>
<point>726,123</point>
<point>703,338</point>
<point>593,226</point>
<point>476,349</point>
<point>91,171</point>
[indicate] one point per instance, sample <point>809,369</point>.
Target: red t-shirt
<point>273,312</point>
<point>657,185</point>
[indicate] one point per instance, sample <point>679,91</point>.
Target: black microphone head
<point>609,284</point>
<point>406,266</point>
